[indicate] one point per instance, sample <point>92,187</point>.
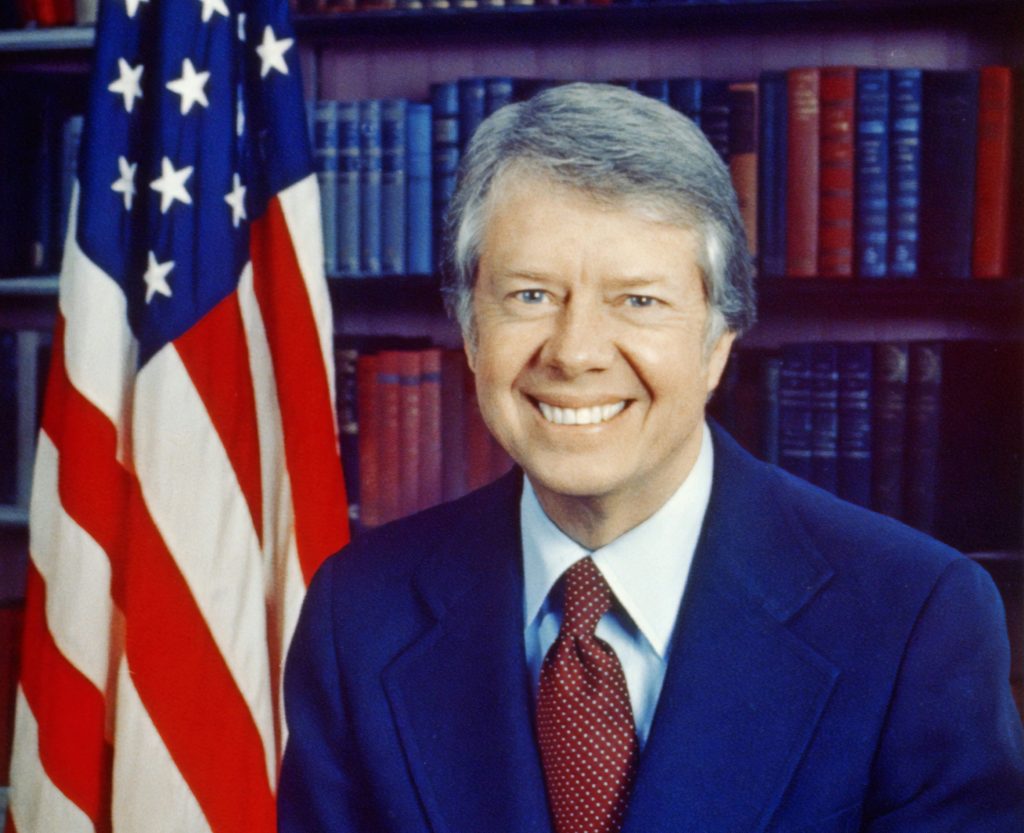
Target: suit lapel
<point>460,694</point>
<point>742,694</point>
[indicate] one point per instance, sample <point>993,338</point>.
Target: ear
<point>717,359</point>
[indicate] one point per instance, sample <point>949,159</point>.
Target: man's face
<point>590,355</point>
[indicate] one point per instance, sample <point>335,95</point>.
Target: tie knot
<point>587,598</point>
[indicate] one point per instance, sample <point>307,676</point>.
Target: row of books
<point>928,432</point>
<point>39,139</point>
<point>15,14</point>
<point>411,433</point>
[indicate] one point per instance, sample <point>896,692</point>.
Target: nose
<point>581,339</point>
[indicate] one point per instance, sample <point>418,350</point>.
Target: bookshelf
<point>398,53</point>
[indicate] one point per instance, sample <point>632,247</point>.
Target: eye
<point>531,296</point>
<point>641,301</point>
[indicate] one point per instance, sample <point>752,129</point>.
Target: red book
<point>991,250</point>
<point>54,12</point>
<point>389,435</point>
<point>409,432</point>
<point>835,231</point>
<point>803,131</point>
<point>369,428</point>
<point>453,423</point>
<point>743,153</point>
<point>431,492</point>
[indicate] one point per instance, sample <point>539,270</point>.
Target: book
<point>472,107</point>
<point>855,362</point>
<point>684,95</point>
<point>656,88</point>
<point>772,156</point>
<point>393,199</point>
<point>871,174</point>
<point>991,246</point>
<point>924,391</point>
<point>743,154</point>
<point>499,90</point>
<point>771,370</point>
<point>835,224</point>
<point>824,416</point>
<point>389,434</point>
<point>889,421</point>
<point>419,231</point>
<point>349,190</point>
<point>8,417</point>
<point>714,114</point>
<point>948,171</point>
<point>444,99</point>
<point>1017,180</point>
<point>453,423</point>
<point>367,401</point>
<point>803,145</point>
<point>409,427</point>
<point>905,172</point>
<point>431,460</point>
<point>325,162</point>
<point>795,411</point>
<point>370,187</point>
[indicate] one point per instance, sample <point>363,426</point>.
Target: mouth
<point>593,415</point>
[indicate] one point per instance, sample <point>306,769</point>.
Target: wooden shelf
<point>51,39</point>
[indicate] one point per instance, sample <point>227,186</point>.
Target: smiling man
<point>641,628</point>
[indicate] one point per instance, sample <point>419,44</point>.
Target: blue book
<point>499,90</point>
<point>325,160</point>
<point>795,415</point>
<point>370,187</point>
<point>472,107</point>
<point>684,95</point>
<point>444,99</point>
<point>714,114</point>
<point>770,373</point>
<point>855,435</point>
<point>825,416</point>
<point>771,164</point>
<point>349,189</point>
<point>949,132</point>
<point>8,417</point>
<point>393,185</point>
<point>871,173</point>
<point>654,88</point>
<point>904,172</point>
<point>419,230</point>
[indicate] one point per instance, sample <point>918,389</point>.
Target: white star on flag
<point>236,199</point>
<point>240,118</point>
<point>211,6</point>
<point>133,6</point>
<point>171,185</point>
<point>126,183</point>
<point>190,86</point>
<point>128,84</point>
<point>156,278</point>
<point>271,53</point>
<point>241,26</point>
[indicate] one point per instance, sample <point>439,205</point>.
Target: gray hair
<point>622,149</point>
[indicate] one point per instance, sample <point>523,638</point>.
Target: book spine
<point>795,415</point>
<point>743,154</point>
<point>889,406</point>
<point>444,99</point>
<point>948,171</point>
<point>714,115</point>
<point>430,482</point>
<point>393,186</point>
<point>369,418</point>
<point>924,397</point>
<point>498,91</point>
<point>1017,184</point>
<point>389,440</point>
<point>370,187</point>
<point>325,156</point>
<point>803,130</point>
<point>905,167</point>
<point>453,424</point>
<point>684,95</point>
<point>770,374</point>
<point>472,108</point>
<point>855,458</point>
<point>349,189</point>
<point>419,242</point>
<point>991,253</point>
<point>835,229</point>
<point>8,417</point>
<point>824,416</point>
<point>656,88</point>
<point>771,223</point>
<point>409,427</point>
<point>871,176</point>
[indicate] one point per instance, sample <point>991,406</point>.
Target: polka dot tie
<point>585,724</point>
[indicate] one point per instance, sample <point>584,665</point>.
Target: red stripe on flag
<point>180,675</point>
<point>70,712</point>
<point>9,827</point>
<point>216,355</point>
<point>307,414</point>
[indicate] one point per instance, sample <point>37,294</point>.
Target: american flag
<point>187,479</point>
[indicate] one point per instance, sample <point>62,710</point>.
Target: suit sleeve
<point>315,792</point>
<point>952,755</point>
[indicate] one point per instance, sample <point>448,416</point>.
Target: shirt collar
<point>646,567</point>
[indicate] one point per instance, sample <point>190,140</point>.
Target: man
<point>645,629</point>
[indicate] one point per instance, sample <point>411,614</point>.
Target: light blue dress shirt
<point>646,568</point>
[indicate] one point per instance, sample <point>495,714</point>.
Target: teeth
<point>580,416</point>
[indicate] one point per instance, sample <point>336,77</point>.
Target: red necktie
<point>585,724</point>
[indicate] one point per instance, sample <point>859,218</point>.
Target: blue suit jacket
<point>831,671</point>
